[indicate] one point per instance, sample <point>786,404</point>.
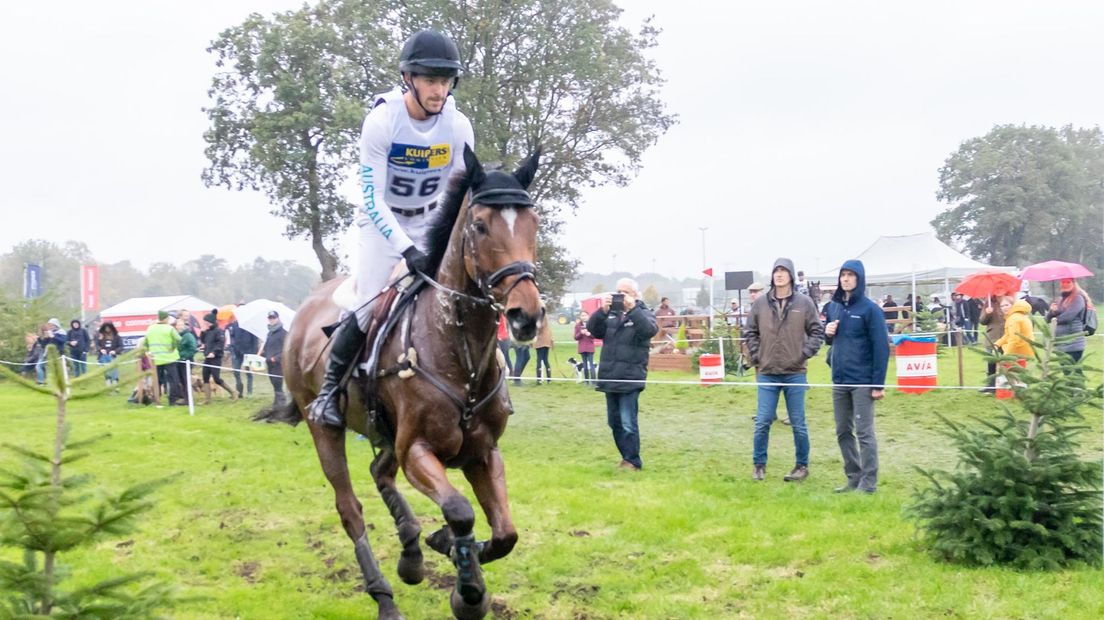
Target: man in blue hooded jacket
<point>856,331</point>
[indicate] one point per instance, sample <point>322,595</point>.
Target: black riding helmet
<point>428,52</point>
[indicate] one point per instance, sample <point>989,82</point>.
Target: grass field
<point>249,525</point>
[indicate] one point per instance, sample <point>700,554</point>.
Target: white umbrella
<point>253,316</point>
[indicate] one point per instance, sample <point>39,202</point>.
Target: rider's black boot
<point>347,339</point>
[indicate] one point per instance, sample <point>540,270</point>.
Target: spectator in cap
<point>163,342</point>
<point>273,353</point>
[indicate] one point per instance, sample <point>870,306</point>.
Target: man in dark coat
<point>626,330</point>
<point>273,353</point>
<point>242,343</point>
<point>79,343</point>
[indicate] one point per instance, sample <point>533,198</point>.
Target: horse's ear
<point>476,175</point>
<point>528,169</point>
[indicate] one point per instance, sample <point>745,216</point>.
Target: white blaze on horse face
<point>510,215</point>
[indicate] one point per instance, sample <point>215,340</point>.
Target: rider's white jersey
<point>405,164</point>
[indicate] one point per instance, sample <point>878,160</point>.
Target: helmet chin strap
<point>417,98</point>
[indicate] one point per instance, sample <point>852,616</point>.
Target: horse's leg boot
<point>346,343</point>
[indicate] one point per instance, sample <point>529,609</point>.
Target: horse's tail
<point>287,412</point>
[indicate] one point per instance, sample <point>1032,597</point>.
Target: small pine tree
<point>1021,495</point>
<point>730,334</point>
<point>46,514</point>
<point>680,338</point>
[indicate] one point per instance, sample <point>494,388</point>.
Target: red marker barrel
<point>916,364</point>
<point>710,368</point>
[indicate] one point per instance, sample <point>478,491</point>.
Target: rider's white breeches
<point>377,258</point>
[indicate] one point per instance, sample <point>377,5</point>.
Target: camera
<point>618,302</point>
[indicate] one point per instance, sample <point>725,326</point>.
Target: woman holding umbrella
<point>1070,308</point>
<point>1070,311</point>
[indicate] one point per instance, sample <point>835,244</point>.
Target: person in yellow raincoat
<point>1017,328</point>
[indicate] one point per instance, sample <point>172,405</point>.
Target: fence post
<point>188,385</point>
<point>961,335</point>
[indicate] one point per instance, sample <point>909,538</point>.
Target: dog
<point>578,366</point>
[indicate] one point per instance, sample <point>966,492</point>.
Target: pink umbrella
<point>1054,270</point>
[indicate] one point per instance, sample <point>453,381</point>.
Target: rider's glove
<point>416,260</point>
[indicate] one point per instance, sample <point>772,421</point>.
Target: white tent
<point>914,259</point>
<point>132,316</point>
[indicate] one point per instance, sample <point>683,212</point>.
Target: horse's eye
<point>480,227</point>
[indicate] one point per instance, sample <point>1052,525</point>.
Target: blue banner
<point>32,281</point>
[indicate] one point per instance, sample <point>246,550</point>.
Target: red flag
<point>708,272</point>
<point>90,287</point>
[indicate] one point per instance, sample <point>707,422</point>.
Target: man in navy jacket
<point>856,331</point>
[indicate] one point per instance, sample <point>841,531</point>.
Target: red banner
<point>90,287</point>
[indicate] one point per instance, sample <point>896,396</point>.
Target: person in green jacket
<point>189,344</point>
<point>162,342</point>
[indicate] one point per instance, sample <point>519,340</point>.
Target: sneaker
<point>759,473</point>
<point>847,488</point>
<point>786,421</point>
<point>797,474</point>
<point>627,465</point>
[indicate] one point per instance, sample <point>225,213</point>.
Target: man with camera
<point>626,326</point>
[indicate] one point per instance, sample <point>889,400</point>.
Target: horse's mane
<point>442,223</point>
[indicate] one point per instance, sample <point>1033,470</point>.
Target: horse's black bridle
<point>523,270</point>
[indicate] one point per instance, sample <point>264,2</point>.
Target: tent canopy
<point>896,259</point>
<point>137,306</point>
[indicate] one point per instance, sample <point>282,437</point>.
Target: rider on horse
<point>411,142</point>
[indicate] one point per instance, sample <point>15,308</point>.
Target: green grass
<point>249,525</point>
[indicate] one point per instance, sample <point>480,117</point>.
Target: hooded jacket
<point>860,348</point>
<point>1017,326</point>
<point>783,334</point>
<point>80,336</point>
<point>626,343</point>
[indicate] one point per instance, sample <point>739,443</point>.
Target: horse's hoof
<point>411,567</point>
<point>440,541</point>
<point>462,610</point>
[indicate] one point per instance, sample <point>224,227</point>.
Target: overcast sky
<point>807,129</point>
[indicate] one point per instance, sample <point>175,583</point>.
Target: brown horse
<point>449,405</point>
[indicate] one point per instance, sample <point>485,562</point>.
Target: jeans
<point>542,358</point>
<point>795,409</point>
<point>40,370</point>
<point>113,374</point>
<point>80,365</point>
<point>521,358</point>
<point>236,360</point>
<point>621,415</point>
<point>854,409</point>
<point>588,366</point>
